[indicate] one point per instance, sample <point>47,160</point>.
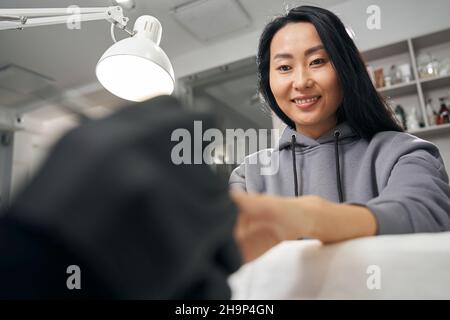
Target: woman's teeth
<point>303,101</point>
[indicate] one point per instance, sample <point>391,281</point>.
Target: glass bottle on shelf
<point>444,112</point>
<point>401,116</point>
<point>393,76</point>
<point>419,117</point>
<point>431,113</point>
<point>413,122</point>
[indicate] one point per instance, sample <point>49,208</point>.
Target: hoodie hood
<point>302,141</point>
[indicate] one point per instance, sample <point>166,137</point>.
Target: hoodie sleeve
<point>237,179</point>
<point>416,195</point>
<point>249,175</point>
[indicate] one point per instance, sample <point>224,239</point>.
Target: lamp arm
<point>46,12</point>
<point>26,18</point>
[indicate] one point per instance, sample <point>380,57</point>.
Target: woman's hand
<point>264,221</point>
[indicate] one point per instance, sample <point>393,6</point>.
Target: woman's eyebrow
<point>306,53</point>
<point>313,49</point>
<point>282,56</point>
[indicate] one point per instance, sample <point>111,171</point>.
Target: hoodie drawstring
<point>338,170</point>
<point>294,165</point>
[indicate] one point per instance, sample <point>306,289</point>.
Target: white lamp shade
<point>136,69</point>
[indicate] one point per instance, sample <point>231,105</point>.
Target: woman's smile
<point>306,103</point>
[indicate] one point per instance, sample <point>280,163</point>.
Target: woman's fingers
<point>256,228</point>
<point>286,215</point>
<point>255,205</point>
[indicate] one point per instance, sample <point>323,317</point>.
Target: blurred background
<point>47,74</point>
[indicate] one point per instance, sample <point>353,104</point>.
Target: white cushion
<point>414,266</point>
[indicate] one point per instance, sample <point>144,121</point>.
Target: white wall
<point>31,147</point>
<point>400,19</point>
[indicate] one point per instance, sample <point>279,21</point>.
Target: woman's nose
<point>302,80</point>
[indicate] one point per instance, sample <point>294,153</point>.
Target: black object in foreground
<point>110,201</point>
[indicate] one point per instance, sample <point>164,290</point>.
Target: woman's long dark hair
<point>362,107</point>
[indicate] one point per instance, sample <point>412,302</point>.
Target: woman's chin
<point>307,123</point>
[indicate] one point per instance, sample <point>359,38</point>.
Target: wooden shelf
<point>399,89</point>
<point>435,82</point>
<point>429,40</point>
<point>385,51</point>
<point>443,128</point>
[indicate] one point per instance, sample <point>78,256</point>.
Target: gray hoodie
<point>398,176</point>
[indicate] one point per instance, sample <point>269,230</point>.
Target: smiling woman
<point>303,80</point>
<point>346,169</point>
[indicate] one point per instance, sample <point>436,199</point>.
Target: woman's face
<point>303,80</point>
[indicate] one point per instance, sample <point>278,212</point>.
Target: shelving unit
<point>399,89</point>
<point>431,130</point>
<point>435,82</point>
<point>414,94</point>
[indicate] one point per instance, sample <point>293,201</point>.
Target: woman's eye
<point>284,68</point>
<point>317,61</point>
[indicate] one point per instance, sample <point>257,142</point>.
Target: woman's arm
<point>264,221</point>
<point>332,222</point>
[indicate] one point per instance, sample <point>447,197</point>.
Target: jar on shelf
<point>427,66</point>
<point>444,67</point>
<point>433,68</point>
<point>379,78</point>
<point>422,61</point>
<point>405,72</point>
